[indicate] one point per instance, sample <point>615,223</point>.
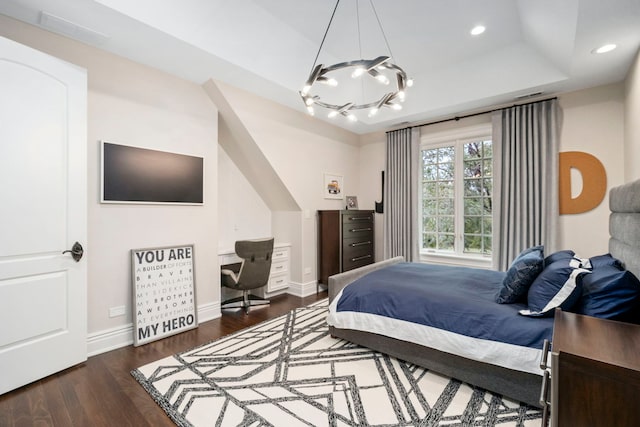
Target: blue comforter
<point>456,299</point>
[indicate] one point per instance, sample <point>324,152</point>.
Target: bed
<point>456,327</point>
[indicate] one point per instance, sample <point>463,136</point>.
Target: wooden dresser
<point>595,372</point>
<point>345,241</point>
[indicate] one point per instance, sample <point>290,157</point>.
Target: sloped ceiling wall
<point>245,153</point>
<point>284,155</point>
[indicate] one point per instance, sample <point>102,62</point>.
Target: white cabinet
<point>280,268</point>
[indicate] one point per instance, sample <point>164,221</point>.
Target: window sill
<point>459,260</point>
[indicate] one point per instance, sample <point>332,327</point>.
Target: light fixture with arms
<point>381,70</point>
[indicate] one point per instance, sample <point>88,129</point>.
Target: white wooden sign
<point>164,299</point>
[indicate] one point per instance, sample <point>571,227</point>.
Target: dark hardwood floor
<point>102,392</point>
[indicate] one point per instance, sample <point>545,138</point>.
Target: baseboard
<point>302,289</point>
<point>109,339</point>
<point>122,336</point>
<point>208,311</point>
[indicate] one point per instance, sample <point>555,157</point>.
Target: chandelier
<point>382,83</point>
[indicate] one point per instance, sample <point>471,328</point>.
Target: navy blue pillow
<point>521,274</point>
<point>610,293</point>
<point>606,260</point>
<point>557,256</point>
<point>559,285</point>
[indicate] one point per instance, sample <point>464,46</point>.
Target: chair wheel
<point>246,309</point>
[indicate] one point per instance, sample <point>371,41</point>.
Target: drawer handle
<point>368,242</point>
<point>544,355</point>
<point>544,402</point>
<point>279,267</point>
<point>356,230</point>
<point>360,257</point>
<point>359,218</point>
<point>544,390</point>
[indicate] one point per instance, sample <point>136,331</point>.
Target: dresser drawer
<point>278,281</point>
<point>357,261</point>
<point>357,246</point>
<point>278,267</point>
<point>280,254</point>
<point>357,231</point>
<point>358,218</point>
<point>356,257</point>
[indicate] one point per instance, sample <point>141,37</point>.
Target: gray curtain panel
<point>526,138</point>
<point>401,194</point>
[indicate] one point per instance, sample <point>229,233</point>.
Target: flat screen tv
<point>140,175</point>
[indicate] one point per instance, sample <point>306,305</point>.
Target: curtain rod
<point>466,116</point>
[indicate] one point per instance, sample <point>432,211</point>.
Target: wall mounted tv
<point>139,175</point>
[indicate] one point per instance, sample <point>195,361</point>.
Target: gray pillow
<point>521,274</point>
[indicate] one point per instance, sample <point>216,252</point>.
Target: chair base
<point>245,302</point>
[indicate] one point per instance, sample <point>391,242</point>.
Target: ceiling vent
<point>69,29</point>
<point>528,95</point>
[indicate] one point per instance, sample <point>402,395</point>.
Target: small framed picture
<point>332,186</point>
<point>352,202</point>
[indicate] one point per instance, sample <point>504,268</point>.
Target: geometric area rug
<point>289,372</point>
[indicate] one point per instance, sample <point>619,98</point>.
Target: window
<point>457,188</point>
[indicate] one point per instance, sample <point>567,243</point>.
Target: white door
<point>43,320</point>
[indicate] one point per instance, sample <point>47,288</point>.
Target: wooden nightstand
<point>595,372</point>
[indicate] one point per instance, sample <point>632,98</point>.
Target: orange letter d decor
<point>594,182</point>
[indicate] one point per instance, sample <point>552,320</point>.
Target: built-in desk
<point>280,275</point>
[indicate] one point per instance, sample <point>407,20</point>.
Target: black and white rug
<point>289,372</point>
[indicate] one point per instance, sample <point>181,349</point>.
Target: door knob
<point>76,251</point>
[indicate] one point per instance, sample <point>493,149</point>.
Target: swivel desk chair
<point>252,273</point>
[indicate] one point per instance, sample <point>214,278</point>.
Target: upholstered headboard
<point>624,225</point>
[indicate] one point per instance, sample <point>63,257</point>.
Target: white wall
<point>242,214</point>
<point>372,155</point>
<point>132,104</point>
<point>632,122</point>
<point>593,122</point>
<point>300,149</point>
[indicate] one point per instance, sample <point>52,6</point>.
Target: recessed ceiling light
<point>605,48</point>
<point>477,30</point>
